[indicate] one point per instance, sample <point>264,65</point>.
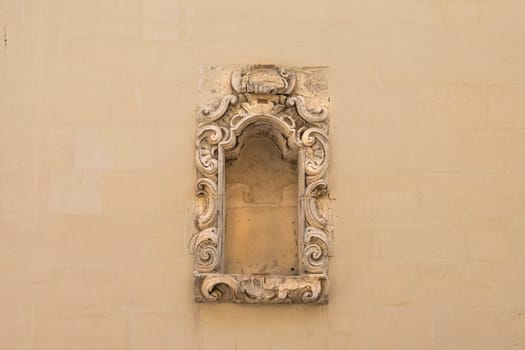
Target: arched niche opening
<point>261,204</point>
<point>263,234</point>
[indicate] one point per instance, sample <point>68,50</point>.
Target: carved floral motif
<point>263,97</point>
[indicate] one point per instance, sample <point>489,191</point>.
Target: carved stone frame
<point>264,98</point>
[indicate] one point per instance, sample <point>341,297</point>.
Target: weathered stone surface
<point>257,289</point>
<point>261,103</point>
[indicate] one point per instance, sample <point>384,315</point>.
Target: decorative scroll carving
<point>315,252</point>
<point>318,115</point>
<point>206,250</point>
<point>206,213</point>
<point>315,141</point>
<point>208,116</point>
<point>313,194</point>
<point>263,79</point>
<point>258,289</point>
<point>208,138</point>
<point>263,100</point>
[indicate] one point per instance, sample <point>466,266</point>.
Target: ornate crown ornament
<point>263,79</point>
<point>289,105</point>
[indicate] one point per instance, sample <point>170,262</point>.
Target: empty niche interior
<point>261,205</point>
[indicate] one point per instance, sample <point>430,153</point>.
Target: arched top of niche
<point>267,129</point>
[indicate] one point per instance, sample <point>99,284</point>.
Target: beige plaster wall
<point>96,172</point>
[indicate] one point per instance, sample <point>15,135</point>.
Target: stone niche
<point>263,232</point>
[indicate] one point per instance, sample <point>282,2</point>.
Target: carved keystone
<point>263,79</point>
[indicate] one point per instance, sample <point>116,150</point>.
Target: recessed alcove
<point>261,210</point>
